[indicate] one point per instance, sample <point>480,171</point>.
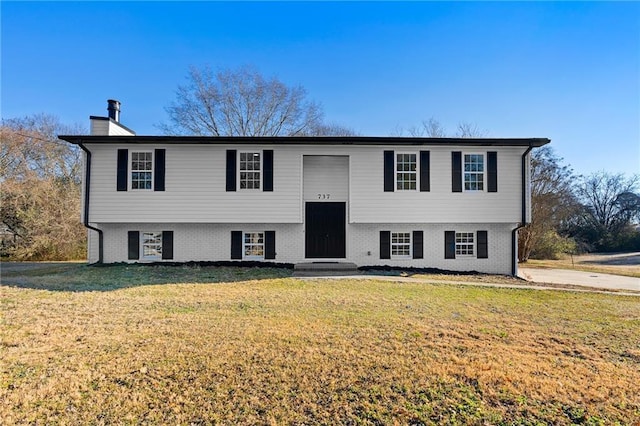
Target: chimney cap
<point>113,106</point>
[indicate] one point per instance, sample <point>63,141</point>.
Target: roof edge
<point>305,140</point>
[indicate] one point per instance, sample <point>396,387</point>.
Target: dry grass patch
<point>287,351</point>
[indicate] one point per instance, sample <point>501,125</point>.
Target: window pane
<point>406,167</point>
<point>250,170</point>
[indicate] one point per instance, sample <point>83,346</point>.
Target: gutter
<point>87,185</point>
<point>523,222</point>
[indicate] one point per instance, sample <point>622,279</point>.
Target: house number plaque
<point>324,196</point>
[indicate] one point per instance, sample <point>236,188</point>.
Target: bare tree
<point>469,130</point>
<point>329,130</point>
<point>40,196</point>
<point>30,144</point>
<point>610,199</point>
<point>241,102</point>
<point>430,128</point>
<point>552,203</point>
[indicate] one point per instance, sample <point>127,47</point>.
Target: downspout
<point>523,222</point>
<point>87,186</point>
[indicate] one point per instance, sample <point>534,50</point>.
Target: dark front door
<point>325,230</point>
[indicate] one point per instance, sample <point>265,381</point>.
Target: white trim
<point>401,257</point>
<point>395,170</point>
<point>244,245</point>
<point>261,171</point>
<point>130,170</point>
<point>484,172</point>
<point>141,247</point>
<point>474,244</point>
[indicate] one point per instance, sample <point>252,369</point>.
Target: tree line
<point>599,212</point>
<point>41,175</point>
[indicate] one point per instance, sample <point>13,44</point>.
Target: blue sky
<point>568,71</point>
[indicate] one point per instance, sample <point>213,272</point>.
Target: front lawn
<point>160,345</point>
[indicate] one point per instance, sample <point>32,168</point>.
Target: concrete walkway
<point>581,278</point>
<point>530,286</point>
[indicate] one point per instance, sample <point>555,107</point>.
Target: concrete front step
<point>312,269</point>
<point>325,266</point>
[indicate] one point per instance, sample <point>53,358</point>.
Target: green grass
<point>131,345</point>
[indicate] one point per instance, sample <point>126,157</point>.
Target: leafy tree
<point>40,196</point>
<point>242,102</point>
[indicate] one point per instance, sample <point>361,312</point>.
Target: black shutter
<point>492,168</point>
<point>417,245</point>
<point>388,171</point>
<point>231,170</point>
<point>236,244</point>
<point>456,171</point>
<point>449,244</point>
<point>270,244</point>
<point>123,162</point>
<point>483,246</point>
<point>267,166</point>
<point>167,244</point>
<point>158,178</point>
<point>425,181</point>
<point>385,244</point>
<point>134,245</point>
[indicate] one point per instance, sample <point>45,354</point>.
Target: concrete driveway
<point>587,279</point>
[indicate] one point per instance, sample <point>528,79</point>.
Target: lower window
<point>253,245</point>
<point>464,243</point>
<point>400,245</point>
<point>151,245</point>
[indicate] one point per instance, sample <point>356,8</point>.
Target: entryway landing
<point>324,268</point>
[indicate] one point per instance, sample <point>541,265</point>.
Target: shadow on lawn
<point>74,277</point>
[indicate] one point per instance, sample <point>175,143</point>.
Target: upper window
<point>250,170</point>
<point>400,244</point>
<point>473,172</point>
<point>254,245</point>
<point>141,170</point>
<point>151,245</point>
<point>464,243</point>
<point>406,167</point>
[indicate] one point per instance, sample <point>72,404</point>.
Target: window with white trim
<point>142,170</point>
<point>400,245</point>
<point>464,243</point>
<point>253,246</point>
<point>406,171</point>
<point>151,245</point>
<point>474,172</point>
<point>250,164</point>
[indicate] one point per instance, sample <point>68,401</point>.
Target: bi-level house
<point>447,203</point>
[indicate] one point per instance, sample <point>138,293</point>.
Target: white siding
<point>212,242</point>
<point>93,254</point>
<point>370,204</point>
<point>106,127</point>
<point>326,178</point>
<point>365,238</point>
<point>203,242</point>
<point>99,127</point>
<point>116,130</point>
<point>195,188</point>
